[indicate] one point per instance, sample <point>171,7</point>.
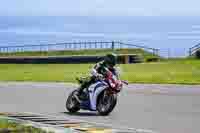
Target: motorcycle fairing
<point>94,91</point>
<point>85,105</point>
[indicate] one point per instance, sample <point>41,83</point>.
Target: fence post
<point>95,45</point>
<point>101,45</point>
<point>154,52</point>
<point>190,52</point>
<point>113,45</point>
<point>85,45</point>
<point>90,46</point>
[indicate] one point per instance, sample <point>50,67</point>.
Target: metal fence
<point>75,46</point>
<point>173,52</point>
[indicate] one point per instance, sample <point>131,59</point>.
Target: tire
<point>111,106</point>
<point>72,107</point>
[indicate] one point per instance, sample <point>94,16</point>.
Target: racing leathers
<point>98,72</point>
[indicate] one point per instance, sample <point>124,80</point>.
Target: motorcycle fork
<point>106,94</point>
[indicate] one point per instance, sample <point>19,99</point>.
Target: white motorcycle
<point>100,96</point>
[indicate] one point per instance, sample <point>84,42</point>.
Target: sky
<point>100,8</point>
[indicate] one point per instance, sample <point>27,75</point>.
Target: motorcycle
<point>100,96</point>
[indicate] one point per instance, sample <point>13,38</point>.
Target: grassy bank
<point>171,71</point>
<point>7,126</point>
<point>145,54</point>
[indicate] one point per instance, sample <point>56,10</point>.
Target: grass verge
<point>165,72</point>
<point>7,126</point>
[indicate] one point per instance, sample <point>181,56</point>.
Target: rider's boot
<point>79,95</point>
<point>80,91</point>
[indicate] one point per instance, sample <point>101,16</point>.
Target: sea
<point>173,35</point>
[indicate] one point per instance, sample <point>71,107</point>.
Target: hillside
<point>141,52</point>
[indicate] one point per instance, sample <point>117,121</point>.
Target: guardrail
<point>75,46</point>
<point>194,49</point>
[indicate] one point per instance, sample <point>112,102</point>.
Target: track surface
<point>161,108</point>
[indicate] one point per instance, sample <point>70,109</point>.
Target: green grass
<point>170,72</point>
<point>145,54</point>
<point>18,128</point>
<point>185,71</point>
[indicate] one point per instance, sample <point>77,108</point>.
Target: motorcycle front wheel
<point>106,102</point>
<point>72,105</point>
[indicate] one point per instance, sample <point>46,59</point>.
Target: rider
<point>98,71</point>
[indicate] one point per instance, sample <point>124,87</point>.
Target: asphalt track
<point>160,108</point>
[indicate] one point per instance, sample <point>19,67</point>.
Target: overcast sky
<point>100,7</point>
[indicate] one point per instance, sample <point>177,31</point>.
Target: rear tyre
<point>72,105</point>
<point>106,103</point>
